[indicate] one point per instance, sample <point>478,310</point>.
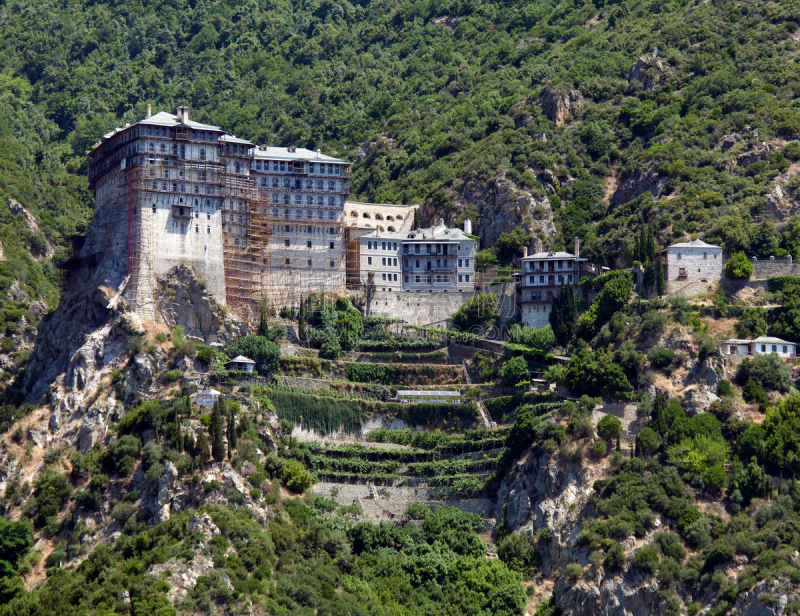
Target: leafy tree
<point>563,314</point>
<point>481,310</point>
<point>510,245</point>
<point>613,297</point>
<point>752,322</point>
<point>738,266</point>
<point>609,427</point>
<point>647,441</point>
<point>767,371</point>
<point>514,370</point>
<point>257,348</point>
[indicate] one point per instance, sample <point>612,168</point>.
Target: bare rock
<point>558,105</point>
<point>648,70</point>
<point>633,186</point>
<point>166,485</point>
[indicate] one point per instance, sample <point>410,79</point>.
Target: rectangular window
<point>417,263</point>
<point>197,228</point>
<point>417,279</point>
<point>394,245</point>
<point>383,261</point>
<point>416,249</point>
<point>569,278</point>
<point>332,245</point>
<point>332,264</point>
<point>460,263</point>
<point>369,260</point>
<point>466,262</point>
<point>460,277</point>
<point>466,278</point>
<point>383,245</point>
<point>785,349</point>
<point>288,261</point>
<point>774,348</point>
<point>405,249</point>
<point>383,276</point>
<point>541,279</point>
<point>405,278</point>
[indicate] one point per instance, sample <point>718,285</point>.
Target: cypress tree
<point>619,445</point>
<point>231,430</point>
<point>188,444</point>
<point>661,285</point>
<point>217,441</point>
<point>651,243</point>
<point>638,251</point>
<point>263,323</point>
<point>201,449</point>
<point>563,315</point>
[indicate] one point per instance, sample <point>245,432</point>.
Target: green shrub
<point>161,337</point>
<point>573,571</point>
<point>725,388</point>
<point>738,266</point>
<point>767,371</point>
<point>170,376</point>
<point>645,560</point>
<point>599,449</point>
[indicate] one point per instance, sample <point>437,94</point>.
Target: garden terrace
<point>395,374</point>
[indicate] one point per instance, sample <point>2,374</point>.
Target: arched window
<point>391,228</point>
<point>378,217</point>
<point>389,218</point>
<point>399,217</point>
<point>355,214</point>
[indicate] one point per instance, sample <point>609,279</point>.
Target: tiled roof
<point>694,244</point>
<point>268,151</point>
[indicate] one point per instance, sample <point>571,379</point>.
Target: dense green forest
<point>426,96</point>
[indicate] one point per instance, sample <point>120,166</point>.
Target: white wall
<point>699,263</point>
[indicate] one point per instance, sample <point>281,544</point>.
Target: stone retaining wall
<point>767,269</point>
<point>382,508</point>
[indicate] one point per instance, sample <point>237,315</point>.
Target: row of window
<point>390,277</point>
<point>331,245</point>
<point>559,278</point>
<point>384,261</point>
<point>384,245</point>
<point>298,199</point>
<point>156,131</point>
<point>299,261</point>
<point>164,187</point>
<point>308,214</point>
<point>287,184</point>
<point>439,278</point>
<point>543,265</point>
<point>329,169</point>
<point>299,229</point>
<point>439,249</point>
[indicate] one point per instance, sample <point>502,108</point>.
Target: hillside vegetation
<point>428,96</point>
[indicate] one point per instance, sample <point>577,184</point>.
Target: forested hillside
<point>434,99</point>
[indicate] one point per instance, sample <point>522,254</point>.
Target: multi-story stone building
<point>254,222</point>
<point>542,276</point>
<point>693,261</point>
<point>433,259</point>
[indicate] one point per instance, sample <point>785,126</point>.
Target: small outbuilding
<point>207,397</point>
<point>241,363</point>
<point>694,261</point>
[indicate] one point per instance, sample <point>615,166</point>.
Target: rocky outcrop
<point>183,300</point>
<point>36,242</point>
<point>558,105</point>
<point>503,206</point>
<point>783,201</point>
<point>620,595</point>
<point>543,491</point>
<point>649,71</point>
<point>634,185</point>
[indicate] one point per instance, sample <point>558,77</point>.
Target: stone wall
<point>399,217</point>
<point>699,264</point>
<point>688,289</point>
<point>767,269</point>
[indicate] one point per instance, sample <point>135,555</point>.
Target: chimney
<point>433,232</point>
<point>577,251</point>
<point>149,110</point>
<point>525,252</point>
<point>292,148</point>
<point>468,226</point>
<point>539,246</point>
<point>319,153</point>
<point>183,114</point>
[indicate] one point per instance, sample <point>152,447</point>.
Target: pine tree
<point>661,286</point>
<point>216,428</point>
<point>619,445</point>
<point>201,449</point>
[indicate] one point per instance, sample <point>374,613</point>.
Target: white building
<point>693,261</point>
<point>432,259</point>
<point>542,276</point>
<point>763,345</point>
<point>207,397</point>
<point>241,363</point>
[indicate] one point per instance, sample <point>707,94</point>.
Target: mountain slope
<point>429,96</point>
